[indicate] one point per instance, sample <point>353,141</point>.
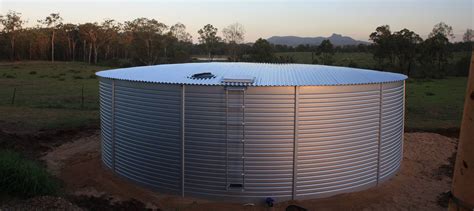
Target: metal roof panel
<point>263,74</point>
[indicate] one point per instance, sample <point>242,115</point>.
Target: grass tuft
<point>24,178</point>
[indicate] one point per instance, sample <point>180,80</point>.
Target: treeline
<point>144,41</point>
<point>403,51</point>
<point>141,41</point>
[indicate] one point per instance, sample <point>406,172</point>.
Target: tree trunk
<point>107,51</point>
<point>463,184</point>
<point>30,51</point>
<point>12,53</point>
<point>74,51</point>
<point>85,50</point>
<point>95,54</point>
<point>90,52</point>
<point>69,49</point>
<point>52,47</point>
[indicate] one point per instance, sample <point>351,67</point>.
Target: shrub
<point>77,77</point>
<point>74,71</point>
<point>92,76</point>
<point>33,73</point>
<point>461,67</point>
<point>24,178</point>
<point>10,76</point>
<point>352,63</point>
<point>429,94</point>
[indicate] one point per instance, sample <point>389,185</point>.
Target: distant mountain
<point>336,39</point>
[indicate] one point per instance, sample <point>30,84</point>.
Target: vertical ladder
<point>235,137</point>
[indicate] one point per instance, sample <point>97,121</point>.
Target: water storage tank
<point>244,132</point>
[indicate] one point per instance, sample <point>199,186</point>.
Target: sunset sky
<point>263,18</point>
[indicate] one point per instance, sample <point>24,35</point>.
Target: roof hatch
<point>203,75</point>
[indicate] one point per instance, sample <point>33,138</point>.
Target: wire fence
<point>71,97</point>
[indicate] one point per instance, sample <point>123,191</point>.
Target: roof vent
<point>238,80</point>
<point>204,75</point>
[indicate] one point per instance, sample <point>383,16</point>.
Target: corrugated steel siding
<point>268,138</point>
<point>338,130</point>
<point>337,139</point>
<point>205,167</point>
<point>269,133</point>
<point>392,129</point>
<point>147,134</point>
<point>105,92</point>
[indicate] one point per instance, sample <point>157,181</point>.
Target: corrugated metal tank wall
<point>146,131</point>
<point>205,166</point>
<point>268,143</point>
<point>391,146</point>
<point>106,116</point>
<point>338,130</point>
<point>337,138</point>
<point>269,139</point>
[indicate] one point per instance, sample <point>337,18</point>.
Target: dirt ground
<point>424,177</point>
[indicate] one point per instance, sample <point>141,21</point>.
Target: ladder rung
<point>236,88</point>
<point>235,123</point>
<point>235,106</point>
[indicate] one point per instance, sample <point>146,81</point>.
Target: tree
<point>209,39</point>
<point>233,36</point>
<point>147,39</point>
<point>262,51</point>
<point>72,36</point>
<point>468,35</point>
<point>325,51</point>
<point>405,51</point>
<point>12,24</point>
<point>179,31</point>
<point>54,22</point>
<point>442,28</point>
<point>108,35</point>
<point>434,56</point>
<point>89,34</point>
<point>383,45</point>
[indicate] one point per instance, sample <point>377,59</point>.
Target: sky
<point>264,18</point>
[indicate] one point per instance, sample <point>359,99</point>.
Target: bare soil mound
<point>424,177</point>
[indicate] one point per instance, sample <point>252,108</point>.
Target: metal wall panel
<point>392,129</point>
<point>337,139</point>
<point>205,166</point>
<point>105,93</point>
<point>268,151</point>
<point>269,133</point>
<point>337,143</point>
<point>147,134</point>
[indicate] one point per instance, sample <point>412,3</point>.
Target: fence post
<point>13,95</point>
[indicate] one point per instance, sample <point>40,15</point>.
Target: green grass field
<point>48,96</point>
<point>363,60</point>
<point>435,104</point>
<point>340,59</point>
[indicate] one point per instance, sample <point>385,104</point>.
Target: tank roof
<point>251,74</point>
